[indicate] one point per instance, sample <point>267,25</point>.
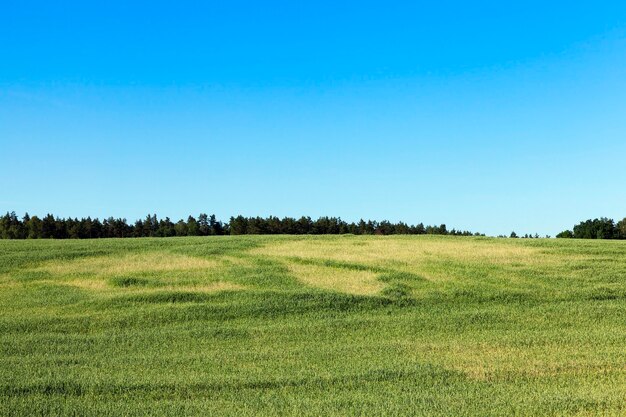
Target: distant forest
<point>602,228</point>
<point>51,227</point>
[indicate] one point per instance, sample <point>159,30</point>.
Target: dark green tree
<point>621,228</point>
<point>565,234</point>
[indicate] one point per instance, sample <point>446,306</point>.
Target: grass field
<point>328,325</point>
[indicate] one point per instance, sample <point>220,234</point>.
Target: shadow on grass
<point>426,374</point>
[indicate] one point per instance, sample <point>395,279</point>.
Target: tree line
<point>602,228</point>
<point>52,227</point>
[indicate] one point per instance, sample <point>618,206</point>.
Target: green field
<point>328,325</point>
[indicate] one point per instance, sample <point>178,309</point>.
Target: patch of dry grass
<point>417,255</point>
<point>147,262</point>
<point>336,279</point>
<point>374,250</point>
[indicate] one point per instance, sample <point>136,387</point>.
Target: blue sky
<point>484,116</point>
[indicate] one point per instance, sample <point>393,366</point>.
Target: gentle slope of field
<point>328,325</point>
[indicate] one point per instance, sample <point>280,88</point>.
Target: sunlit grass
<point>302,325</point>
<point>337,279</point>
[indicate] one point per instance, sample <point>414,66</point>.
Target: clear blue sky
<point>489,116</point>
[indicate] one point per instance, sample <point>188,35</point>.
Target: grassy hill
<point>325,325</point>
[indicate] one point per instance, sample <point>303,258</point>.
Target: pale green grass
<point>327,325</point>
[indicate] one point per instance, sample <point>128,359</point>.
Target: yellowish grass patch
<point>487,362</point>
<point>341,280</point>
<point>129,264</point>
<point>415,254</point>
<point>9,284</point>
<point>88,284</point>
<point>377,250</point>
